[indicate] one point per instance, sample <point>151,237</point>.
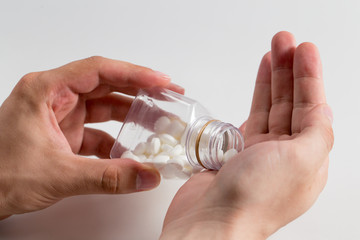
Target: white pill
<point>176,128</point>
<point>166,148</point>
<point>142,157</point>
<point>151,137</point>
<point>162,124</point>
<point>176,151</point>
<point>168,139</point>
<point>160,161</point>
<point>182,158</point>
<point>161,158</point>
<point>189,170</point>
<point>154,146</point>
<point>184,174</point>
<point>162,153</point>
<point>128,154</point>
<point>229,154</point>
<point>140,149</point>
<point>168,171</point>
<point>158,165</point>
<point>178,163</point>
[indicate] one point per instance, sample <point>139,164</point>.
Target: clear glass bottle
<point>176,134</point>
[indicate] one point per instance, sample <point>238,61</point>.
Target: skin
<point>279,175</point>
<point>283,169</point>
<point>43,134</point>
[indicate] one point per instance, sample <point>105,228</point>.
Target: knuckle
<point>28,88</point>
<point>110,181</point>
<point>94,60</point>
<point>304,105</point>
<point>27,81</point>
<point>29,77</point>
<point>120,179</point>
<point>285,100</point>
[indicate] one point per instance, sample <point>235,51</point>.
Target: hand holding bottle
<point>283,168</point>
<point>42,131</point>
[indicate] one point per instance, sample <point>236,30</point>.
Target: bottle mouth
<point>208,141</point>
<point>228,138</point>
<point>197,142</point>
<point>192,137</point>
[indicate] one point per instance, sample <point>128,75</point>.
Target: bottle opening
<point>211,143</point>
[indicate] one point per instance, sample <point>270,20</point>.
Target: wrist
<point>215,225</point>
<point>210,230</point>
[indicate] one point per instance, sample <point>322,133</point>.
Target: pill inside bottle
<point>176,134</point>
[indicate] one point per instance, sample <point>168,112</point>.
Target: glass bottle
<point>176,134</point>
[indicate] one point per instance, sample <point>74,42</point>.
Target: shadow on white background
<point>96,217</point>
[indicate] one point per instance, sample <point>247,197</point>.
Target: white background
<point>213,49</point>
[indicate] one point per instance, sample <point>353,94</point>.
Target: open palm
<point>287,140</point>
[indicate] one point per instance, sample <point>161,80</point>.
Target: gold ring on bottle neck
<point>197,143</point>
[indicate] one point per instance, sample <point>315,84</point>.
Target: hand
<point>283,169</point>
<point>42,131</point>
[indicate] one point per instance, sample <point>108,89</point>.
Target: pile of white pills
<point>165,149</point>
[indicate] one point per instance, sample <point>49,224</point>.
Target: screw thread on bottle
<point>209,139</point>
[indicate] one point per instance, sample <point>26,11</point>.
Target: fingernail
<point>163,75</point>
<point>176,88</point>
<point>328,112</point>
<point>147,179</point>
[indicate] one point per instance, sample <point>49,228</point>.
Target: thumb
<point>112,176</point>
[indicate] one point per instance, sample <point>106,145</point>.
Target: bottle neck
<point>208,140</point>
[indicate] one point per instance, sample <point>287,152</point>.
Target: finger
<point>116,107</point>
<point>96,142</point>
<point>110,107</point>
<point>103,90</point>
<point>308,83</point>
<point>316,137</point>
<point>282,54</point>
<point>84,76</point>
<point>133,91</point>
<point>176,88</point>
<point>112,176</point>
<point>257,122</point>
<point>242,128</point>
